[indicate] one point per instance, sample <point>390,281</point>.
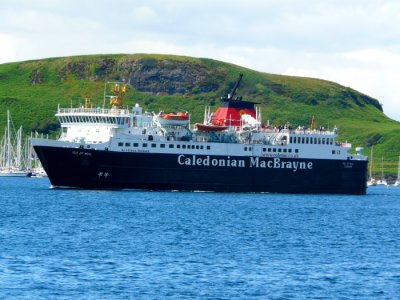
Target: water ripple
<point>77,244</point>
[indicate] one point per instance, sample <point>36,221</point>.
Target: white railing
<point>300,131</point>
<point>82,110</point>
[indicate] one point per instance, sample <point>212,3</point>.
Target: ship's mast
<point>104,92</point>
<point>116,100</point>
<point>232,93</point>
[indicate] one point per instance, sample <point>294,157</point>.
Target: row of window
<point>274,150</point>
<point>311,140</point>
<point>284,150</point>
<point>201,147</point>
<point>93,119</point>
<point>153,145</point>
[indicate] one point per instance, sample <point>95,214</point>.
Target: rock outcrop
<point>169,77</point>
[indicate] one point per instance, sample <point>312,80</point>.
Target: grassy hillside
<point>31,90</point>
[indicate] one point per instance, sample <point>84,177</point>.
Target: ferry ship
<point>231,151</point>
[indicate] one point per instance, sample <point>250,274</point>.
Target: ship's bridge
<point>90,116</point>
<point>312,137</point>
<point>91,125</point>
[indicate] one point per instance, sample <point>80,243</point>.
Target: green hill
<point>31,90</point>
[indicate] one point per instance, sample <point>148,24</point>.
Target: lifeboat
<point>180,118</point>
<point>210,127</point>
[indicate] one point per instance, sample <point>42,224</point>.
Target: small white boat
<point>13,172</point>
<point>382,181</point>
<point>38,172</point>
<point>371,181</point>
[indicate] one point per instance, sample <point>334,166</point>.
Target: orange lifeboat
<point>180,118</point>
<point>210,127</point>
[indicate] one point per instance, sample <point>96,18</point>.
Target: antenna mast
<point>230,96</point>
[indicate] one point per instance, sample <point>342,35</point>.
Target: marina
<point>13,162</point>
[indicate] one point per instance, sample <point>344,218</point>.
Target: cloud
<point>7,52</point>
<point>354,43</point>
<point>372,71</point>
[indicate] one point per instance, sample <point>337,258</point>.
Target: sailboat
<point>397,182</point>
<point>371,181</point>
<point>11,162</point>
<point>35,165</point>
<point>382,180</point>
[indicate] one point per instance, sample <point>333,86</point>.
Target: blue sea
<point>80,244</point>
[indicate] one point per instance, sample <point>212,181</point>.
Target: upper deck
<point>92,111</point>
<point>93,116</point>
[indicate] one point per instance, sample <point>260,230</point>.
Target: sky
<point>354,43</point>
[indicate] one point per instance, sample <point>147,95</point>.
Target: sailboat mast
<point>8,143</point>
<point>19,148</point>
<point>3,149</point>
<point>398,171</point>
<point>370,168</point>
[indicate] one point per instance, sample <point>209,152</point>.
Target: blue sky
<point>355,43</point>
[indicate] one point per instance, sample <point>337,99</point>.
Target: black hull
<point>94,169</point>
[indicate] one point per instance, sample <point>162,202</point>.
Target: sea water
<point>85,244</point>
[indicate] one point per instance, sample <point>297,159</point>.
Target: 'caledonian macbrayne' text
<point>254,162</point>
